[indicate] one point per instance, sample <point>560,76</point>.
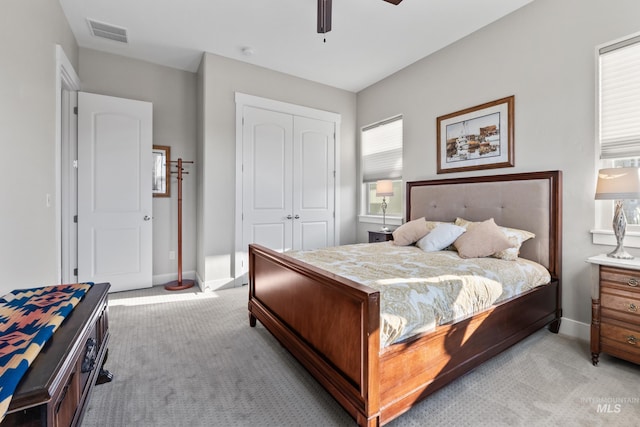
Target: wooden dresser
<point>615,320</point>
<point>57,385</point>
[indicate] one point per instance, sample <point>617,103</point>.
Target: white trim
<point>574,329</point>
<point>377,219</point>
<point>240,255</point>
<point>285,107</point>
<point>606,237</point>
<point>243,100</point>
<point>66,78</point>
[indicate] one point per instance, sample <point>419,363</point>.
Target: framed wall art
<point>160,173</point>
<point>479,137</point>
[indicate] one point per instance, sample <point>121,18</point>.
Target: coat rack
<point>179,284</point>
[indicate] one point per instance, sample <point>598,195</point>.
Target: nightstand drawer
<point>618,339</point>
<point>621,307</point>
<point>620,278</point>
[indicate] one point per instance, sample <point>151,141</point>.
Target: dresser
<point>58,384</point>
<point>615,309</point>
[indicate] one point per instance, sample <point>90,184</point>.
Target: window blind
<point>620,100</point>
<point>382,150</point>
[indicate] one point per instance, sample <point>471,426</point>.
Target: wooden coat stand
<point>179,284</point>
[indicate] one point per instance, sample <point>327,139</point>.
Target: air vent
<point>108,31</point>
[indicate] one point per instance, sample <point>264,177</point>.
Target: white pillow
<point>440,237</point>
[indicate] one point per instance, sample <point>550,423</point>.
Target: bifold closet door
<point>313,183</point>
<point>267,178</point>
<point>288,180</point>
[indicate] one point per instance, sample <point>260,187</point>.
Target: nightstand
<point>615,309</point>
<point>380,236</point>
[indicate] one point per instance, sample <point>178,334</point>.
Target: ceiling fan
<point>324,14</point>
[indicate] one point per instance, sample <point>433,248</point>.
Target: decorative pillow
<point>440,237</point>
<point>433,224</point>
<point>481,239</point>
<point>516,237</point>
<point>410,232</point>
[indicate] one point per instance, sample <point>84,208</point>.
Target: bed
<point>331,324</point>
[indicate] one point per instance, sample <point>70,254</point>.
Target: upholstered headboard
<point>528,201</point>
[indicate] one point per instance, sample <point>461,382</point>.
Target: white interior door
<point>114,191</point>
<point>288,180</point>
<point>267,178</point>
<point>313,183</point>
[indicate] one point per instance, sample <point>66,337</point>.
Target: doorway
<point>286,169</point>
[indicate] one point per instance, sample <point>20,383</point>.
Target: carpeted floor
<point>190,359</point>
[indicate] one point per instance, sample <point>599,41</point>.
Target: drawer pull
<point>90,354</point>
<point>632,340</point>
<point>632,308</point>
<point>633,282</point>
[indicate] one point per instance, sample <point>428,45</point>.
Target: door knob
<point>289,217</point>
<point>297,217</point>
<point>147,218</point>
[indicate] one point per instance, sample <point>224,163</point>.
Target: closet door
<point>313,183</point>
<point>267,149</point>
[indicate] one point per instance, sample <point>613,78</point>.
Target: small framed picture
<point>479,137</point>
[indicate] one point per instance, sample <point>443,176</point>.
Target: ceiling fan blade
<point>396,2</point>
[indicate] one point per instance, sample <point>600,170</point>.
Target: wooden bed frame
<point>330,324</point>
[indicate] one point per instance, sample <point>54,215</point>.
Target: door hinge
<point>75,110</point>
<point>75,271</point>
<point>75,219</point>
<point>75,164</point>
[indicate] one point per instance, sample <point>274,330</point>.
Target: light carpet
<point>190,359</point>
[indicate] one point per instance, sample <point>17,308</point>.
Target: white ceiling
<point>370,39</point>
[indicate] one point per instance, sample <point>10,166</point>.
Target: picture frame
<point>480,137</point>
<point>161,184</point>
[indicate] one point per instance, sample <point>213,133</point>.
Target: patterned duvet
<point>420,290</point>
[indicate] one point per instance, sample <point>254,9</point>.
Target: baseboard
<point>215,285</point>
<point>573,328</point>
<point>161,279</point>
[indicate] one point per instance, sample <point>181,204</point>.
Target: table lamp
<point>618,184</point>
<point>384,188</point>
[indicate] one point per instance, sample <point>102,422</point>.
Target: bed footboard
<point>328,323</point>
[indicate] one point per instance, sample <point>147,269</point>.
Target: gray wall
<point>220,78</point>
<point>544,54</point>
<point>173,94</point>
<point>29,31</point>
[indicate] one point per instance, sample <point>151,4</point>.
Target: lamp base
<point>619,229</point>
<point>620,253</point>
<point>384,228</point>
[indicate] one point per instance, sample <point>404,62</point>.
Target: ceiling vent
<point>108,31</point>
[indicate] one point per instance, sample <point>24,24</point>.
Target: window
<point>619,116</point>
<point>381,145</point>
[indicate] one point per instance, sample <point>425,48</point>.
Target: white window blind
<point>382,150</point>
<point>620,99</point>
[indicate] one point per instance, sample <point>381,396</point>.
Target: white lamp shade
<point>384,188</point>
<point>618,184</point>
